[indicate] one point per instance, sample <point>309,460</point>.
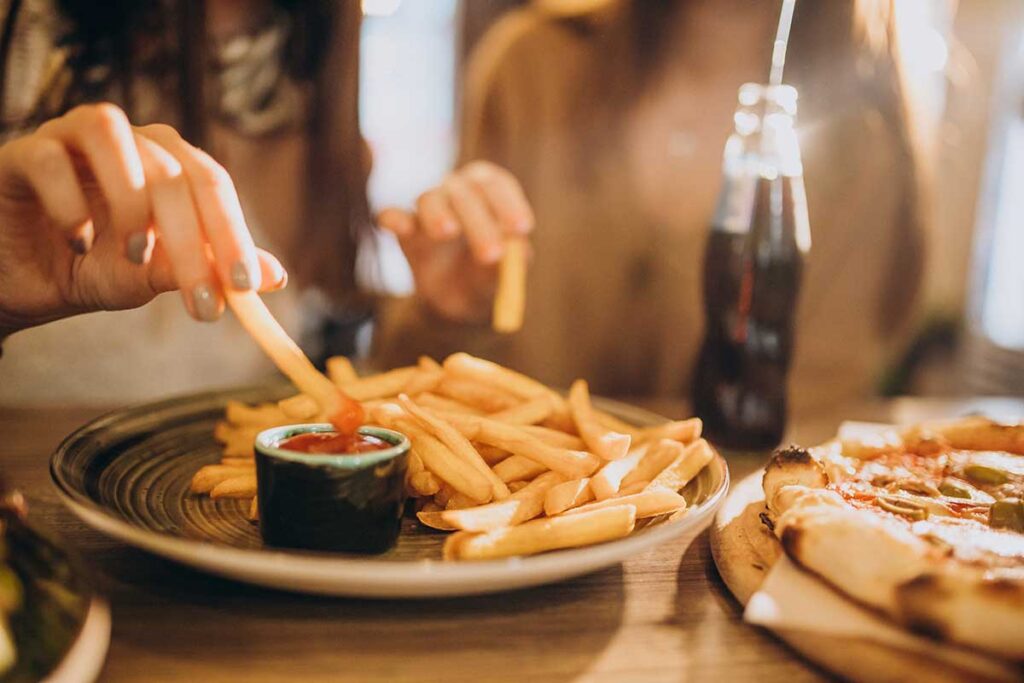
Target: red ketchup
<point>333,443</point>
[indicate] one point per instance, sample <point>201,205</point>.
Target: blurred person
<point>614,116</point>
<point>269,89</point>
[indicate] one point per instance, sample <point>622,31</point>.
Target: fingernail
<point>138,244</point>
<point>279,278</point>
<point>205,303</point>
<point>240,276</point>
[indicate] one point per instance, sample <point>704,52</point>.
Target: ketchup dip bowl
<point>340,502</point>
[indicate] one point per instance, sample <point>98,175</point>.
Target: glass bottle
<point>753,266</point>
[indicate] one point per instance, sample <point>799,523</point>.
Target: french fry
<point>516,468</point>
<point>510,298</point>
<point>345,413</point>
<point>208,477</point>
<point>238,462</point>
<point>541,535</point>
<point>341,371</point>
<point>485,372</point>
<point>514,486</point>
<point>441,404</point>
<point>442,496</point>
<point>684,431</point>
<point>264,415</point>
<point>426,378</point>
<point>613,423</point>
<point>600,441</point>
<point>635,487</point>
<point>524,505</point>
<point>240,445</point>
<point>437,457</point>
<point>685,467</point>
<point>424,484</point>
<point>607,481</point>
<point>527,413</point>
<point>465,366</point>
<point>414,464</point>
<point>514,439</point>
<point>491,455</point>
<point>488,399</point>
<point>299,407</point>
<point>254,510</point>
<point>652,501</point>
<point>459,501</point>
<point>433,519</point>
<point>567,495</point>
<point>456,442</point>
<point>240,486</point>
<point>656,457</point>
<point>383,385</point>
<point>226,433</point>
<point>439,460</point>
<point>553,437</point>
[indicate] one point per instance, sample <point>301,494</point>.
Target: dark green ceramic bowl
<point>347,503</point>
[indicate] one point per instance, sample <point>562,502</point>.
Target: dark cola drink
<point>753,264</point>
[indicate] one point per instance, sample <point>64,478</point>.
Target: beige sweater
<point>614,286</point>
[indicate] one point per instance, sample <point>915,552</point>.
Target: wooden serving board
<point>744,550</point>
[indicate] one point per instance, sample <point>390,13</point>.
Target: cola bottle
<point>753,263</point>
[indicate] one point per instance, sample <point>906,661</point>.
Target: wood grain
<point>663,616</point>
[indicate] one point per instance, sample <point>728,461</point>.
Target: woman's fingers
<point>481,228</point>
<point>180,234</point>
<point>46,166</point>
<point>436,215</point>
<point>101,134</point>
<point>504,195</point>
<point>219,210</point>
<point>482,202</point>
<point>397,221</point>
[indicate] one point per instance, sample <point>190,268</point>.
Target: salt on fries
<point>506,463</point>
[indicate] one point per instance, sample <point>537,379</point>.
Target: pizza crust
<point>930,579</point>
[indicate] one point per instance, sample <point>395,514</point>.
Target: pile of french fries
<point>508,464</point>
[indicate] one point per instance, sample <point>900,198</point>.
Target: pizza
<point>925,526</point>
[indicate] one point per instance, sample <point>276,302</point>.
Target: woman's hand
<point>97,214</point>
<point>456,237</point>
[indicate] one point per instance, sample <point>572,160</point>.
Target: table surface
<point>661,616</point>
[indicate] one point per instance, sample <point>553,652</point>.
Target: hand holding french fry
<point>466,242</point>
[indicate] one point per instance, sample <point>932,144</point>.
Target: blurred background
<point>964,63</point>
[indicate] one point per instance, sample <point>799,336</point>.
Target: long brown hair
<point>322,53</point>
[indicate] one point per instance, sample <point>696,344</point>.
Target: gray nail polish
<point>240,276</point>
<point>205,303</point>
<point>136,248</point>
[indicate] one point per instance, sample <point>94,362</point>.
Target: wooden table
<point>663,616</point>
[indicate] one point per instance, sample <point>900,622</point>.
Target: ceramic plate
<point>127,474</point>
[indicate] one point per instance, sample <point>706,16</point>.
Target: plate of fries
<point>511,483</point>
